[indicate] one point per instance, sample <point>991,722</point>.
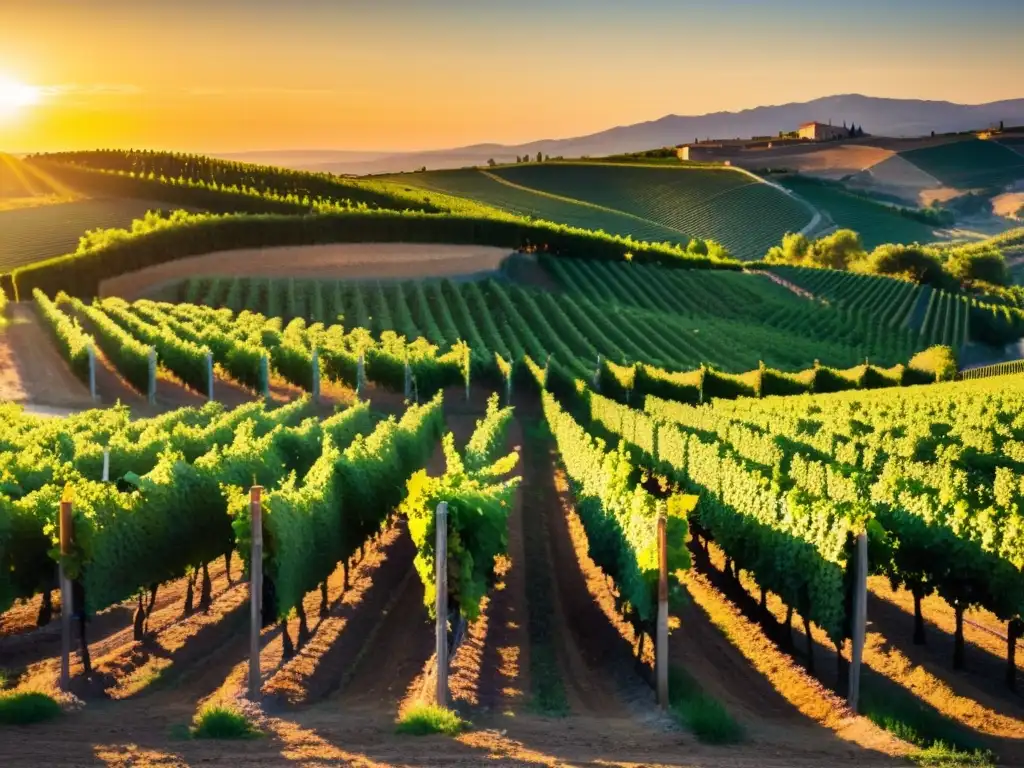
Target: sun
<point>15,96</point>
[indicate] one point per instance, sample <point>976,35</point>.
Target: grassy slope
<point>36,233</point>
<point>876,223</point>
<point>649,202</point>
<point>971,163</point>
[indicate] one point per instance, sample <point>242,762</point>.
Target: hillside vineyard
<point>653,454</point>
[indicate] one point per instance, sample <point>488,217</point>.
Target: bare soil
<point>348,261</point>
<point>974,699</point>
<point>31,369</point>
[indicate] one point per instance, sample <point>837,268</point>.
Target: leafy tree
<point>490,162</point>
<point>972,264</point>
<point>913,261</point>
<point>794,250</point>
<point>540,157</point>
<point>839,250</point>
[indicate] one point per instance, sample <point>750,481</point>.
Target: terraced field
<point>876,223</point>
<point>34,234</point>
<point>967,164</point>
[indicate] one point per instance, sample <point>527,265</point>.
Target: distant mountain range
<point>879,117</point>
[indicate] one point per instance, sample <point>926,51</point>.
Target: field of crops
<point>785,486</point>
<point>727,206</point>
<point>345,412</point>
<point>876,223</point>
<point>34,234</point>
<point>484,187</point>
<point>969,164</point>
<point>662,204</point>
<point>669,318</point>
<point>932,315</point>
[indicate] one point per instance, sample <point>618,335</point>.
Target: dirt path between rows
<point>335,703</point>
<point>31,368</point>
<point>348,261</point>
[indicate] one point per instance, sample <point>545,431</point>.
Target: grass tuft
<point>709,720</point>
<point>26,708</point>
<point>941,755</point>
<point>425,719</point>
<point>223,722</point>
<point>942,742</point>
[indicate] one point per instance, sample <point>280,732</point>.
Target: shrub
<point>424,719</point>
<point>218,721</point>
<point>917,262</point>
<point>936,363</point>
<point>984,263</point>
<point>26,708</point>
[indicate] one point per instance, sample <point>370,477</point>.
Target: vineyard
<point>615,498</point>
<point>968,164</point>
<point>703,203</point>
<point>487,188</point>
<point>618,312</point>
<point>34,234</point>
<point>645,202</point>
<point>935,316</point>
<point>875,222</point>
<point>785,486</point>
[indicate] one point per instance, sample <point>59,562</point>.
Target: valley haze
<point>898,118</point>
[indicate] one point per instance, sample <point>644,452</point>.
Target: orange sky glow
<point>399,75</point>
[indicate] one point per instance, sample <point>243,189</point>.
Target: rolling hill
<point>966,164</point>
<point>658,203</point>
<point>881,117</point>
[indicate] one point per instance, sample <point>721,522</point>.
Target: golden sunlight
<point>14,96</point>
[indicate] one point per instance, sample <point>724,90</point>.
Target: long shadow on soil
<point>936,655</point>
<point>361,618</point>
<point>873,685</point>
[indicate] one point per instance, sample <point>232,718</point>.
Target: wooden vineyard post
<point>265,376</point>
<point>106,465</point>
<point>360,374</point>
<point>661,640</point>
<point>66,595</point>
<point>152,376</point>
<point>209,375</point>
<point>860,615</point>
<point>508,387</point>
<point>597,376</point>
<point>92,373</point>
<point>466,363</point>
<point>255,592</point>
<point>441,586</point>
<point>408,377</point>
<point>316,375</point>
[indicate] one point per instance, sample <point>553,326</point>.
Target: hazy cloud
<point>257,91</point>
<point>91,89</point>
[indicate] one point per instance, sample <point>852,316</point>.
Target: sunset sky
<point>234,75</point>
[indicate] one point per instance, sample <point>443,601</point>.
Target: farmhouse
<point>816,131</point>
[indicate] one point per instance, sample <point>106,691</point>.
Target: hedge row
<point>80,273</point>
<point>624,383</point>
<point>129,356</point>
<point>72,341</point>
